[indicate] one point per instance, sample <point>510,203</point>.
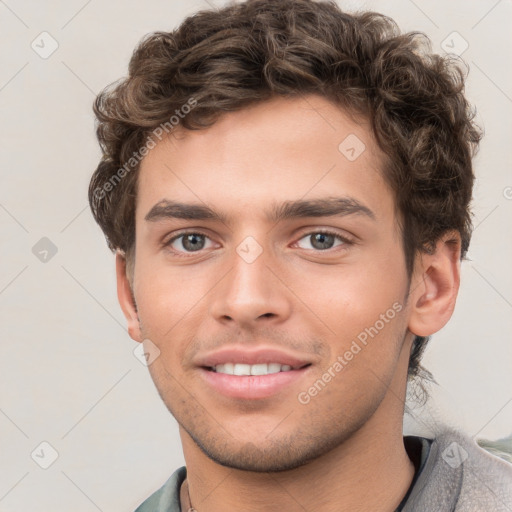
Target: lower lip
<point>251,387</point>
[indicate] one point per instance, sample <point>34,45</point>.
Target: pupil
<point>193,242</point>
<point>322,241</point>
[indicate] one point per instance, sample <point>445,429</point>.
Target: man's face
<point>254,292</point>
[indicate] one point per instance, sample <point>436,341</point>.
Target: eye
<point>192,241</point>
<point>189,241</point>
<point>324,240</point>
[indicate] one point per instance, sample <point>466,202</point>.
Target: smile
<point>251,369</point>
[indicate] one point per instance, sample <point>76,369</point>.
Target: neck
<point>370,471</point>
<point>325,485</point>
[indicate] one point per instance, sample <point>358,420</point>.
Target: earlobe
<point>435,285</point>
<point>126,299</point>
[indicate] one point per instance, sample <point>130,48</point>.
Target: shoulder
<point>461,476</point>
<point>167,498</point>
<point>486,480</point>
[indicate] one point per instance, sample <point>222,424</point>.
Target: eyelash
<point>346,241</point>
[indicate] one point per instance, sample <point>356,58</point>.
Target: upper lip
<point>250,356</point>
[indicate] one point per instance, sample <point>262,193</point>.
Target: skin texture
<point>344,448</point>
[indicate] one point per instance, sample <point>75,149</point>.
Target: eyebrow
<point>324,207</point>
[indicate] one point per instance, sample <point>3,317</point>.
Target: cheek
<point>168,299</point>
<point>360,308</point>
<point>353,296</point>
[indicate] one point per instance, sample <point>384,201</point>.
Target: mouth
<point>251,374</point>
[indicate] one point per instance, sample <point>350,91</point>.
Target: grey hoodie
<point>453,474</point>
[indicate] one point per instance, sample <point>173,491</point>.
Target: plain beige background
<point>68,376</point>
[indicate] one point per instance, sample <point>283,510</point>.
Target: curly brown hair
<point>224,60</point>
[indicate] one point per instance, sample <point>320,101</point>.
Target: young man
<point>286,187</point>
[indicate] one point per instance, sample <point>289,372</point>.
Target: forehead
<point>275,151</point>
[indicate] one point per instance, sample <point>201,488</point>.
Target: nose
<point>253,293</point>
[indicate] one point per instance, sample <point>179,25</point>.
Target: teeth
<point>259,369</point>
<point>274,367</point>
<point>242,369</point>
<point>252,369</point>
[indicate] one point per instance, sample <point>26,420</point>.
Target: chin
<point>273,455</point>
<point>258,461</point>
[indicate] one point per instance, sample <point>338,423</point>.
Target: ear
<point>435,285</point>
<point>126,299</point>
